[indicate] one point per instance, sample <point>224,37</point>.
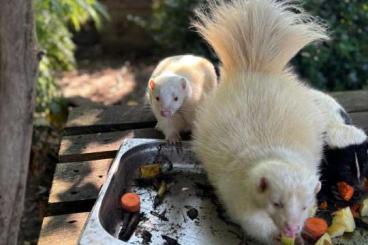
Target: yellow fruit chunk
<point>364,208</point>
<point>345,217</point>
<point>150,171</point>
<point>324,240</point>
<point>336,230</point>
<point>285,240</point>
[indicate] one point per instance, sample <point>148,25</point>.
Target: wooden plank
<point>360,119</point>
<point>83,120</point>
<point>62,229</point>
<point>115,118</point>
<point>78,180</point>
<point>353,101</point>
<point>99,146</point>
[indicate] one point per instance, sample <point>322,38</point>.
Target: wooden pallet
<point>92,138</point>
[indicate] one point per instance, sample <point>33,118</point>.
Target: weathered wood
<point>78,181</point>
<point>98,146</point>
<point>83,120</point>
<point>361,120</point>
<point>62,229</point>
<point>353,101</point>
<point>115,118</point>
<point>18,66</point>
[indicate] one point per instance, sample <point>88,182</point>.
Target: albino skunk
<point>259,136</point>
<point>175,89</point>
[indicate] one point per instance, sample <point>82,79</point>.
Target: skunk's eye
<point>158,98</point>
<point>304,208</point>
<point>176,98</point>
<point>278,205</point>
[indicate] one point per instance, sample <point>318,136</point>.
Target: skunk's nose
<point>291,229</point>
<point>165,113</point>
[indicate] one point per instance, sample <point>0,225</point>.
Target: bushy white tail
<point>256,35</point>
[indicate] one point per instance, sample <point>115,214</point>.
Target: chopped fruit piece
<point>315,227</point>
<point>286,240</point>
<point>346,191</point>
<point>312,211</point>
<point>130,202</point>
<point>150,171</point>
<point>324,240</point>
<point>344,217</point>
<point>364,208</point>
<point>336,230</point>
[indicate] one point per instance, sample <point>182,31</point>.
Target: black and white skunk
<point>345,152</point>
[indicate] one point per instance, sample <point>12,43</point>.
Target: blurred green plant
<point>55,21</point>
<point>339,64</point>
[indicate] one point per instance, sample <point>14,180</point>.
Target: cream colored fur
<point>200,77</point>
<point>260,123</point>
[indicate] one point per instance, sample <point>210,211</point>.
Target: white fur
<point>338,133</point>
<point>199,77</point>
<point>259,123</point>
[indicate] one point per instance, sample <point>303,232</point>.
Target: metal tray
<point>210,227</point>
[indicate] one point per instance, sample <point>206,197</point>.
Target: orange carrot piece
<point>130,202</point>
<point>315,227</point>
<point>346,191</point>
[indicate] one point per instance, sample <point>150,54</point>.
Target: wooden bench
<point>92,138</point>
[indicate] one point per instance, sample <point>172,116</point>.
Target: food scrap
<point>130,202</point>
<point>364,208</point>
<point>324,240</point>
<point>315,227</point>
<point>169,240</point>
<point>160,194</point>
<point>346,191</point>
<point>146,235</point>
<point>286,240</point>
<point>336,230</point>
<point>192,213</point>
<point>343,221</point>
<point>128,228</point>
<point>150,171</point>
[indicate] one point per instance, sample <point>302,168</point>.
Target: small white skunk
<point>176,87</point>
<point>259,136</point>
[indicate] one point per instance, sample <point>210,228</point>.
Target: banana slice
<point>324,240</point>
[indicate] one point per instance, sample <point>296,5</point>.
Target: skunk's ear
<point>263,184</point>
<point>183,83</point>
<point>317,188</point>
<point>151,84</point>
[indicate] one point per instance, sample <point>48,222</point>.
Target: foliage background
<point>55,22</point>
<point>341,64</point>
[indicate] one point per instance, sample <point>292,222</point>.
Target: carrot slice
<point>130,202</point>
<point>315,227</point>
<point>346,191</point>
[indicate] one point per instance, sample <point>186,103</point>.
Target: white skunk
<point>259,135</point>
<point>175,89</point>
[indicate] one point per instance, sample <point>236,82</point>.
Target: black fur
<point>346,117</point>
<point>339,164</point>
